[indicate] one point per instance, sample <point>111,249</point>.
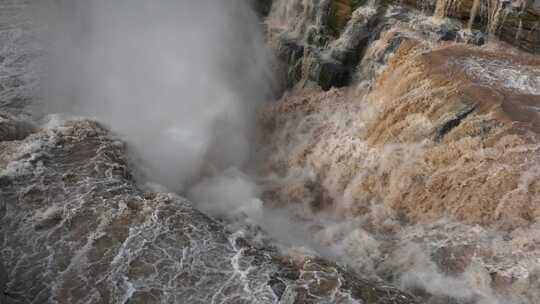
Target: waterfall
<point>494,13</point>
<point>474,13</point>
<point>444,8</point>
<point>496,16</point>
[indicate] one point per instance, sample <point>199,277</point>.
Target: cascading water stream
<point>474,13</point>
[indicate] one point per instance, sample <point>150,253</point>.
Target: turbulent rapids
<point>399,163</point>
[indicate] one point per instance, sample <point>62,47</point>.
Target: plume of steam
<point>178,79</point>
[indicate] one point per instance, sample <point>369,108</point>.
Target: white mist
<point>179,80</point>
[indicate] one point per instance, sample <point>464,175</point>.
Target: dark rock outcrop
<point>312,52</point>
<point>330,74</point>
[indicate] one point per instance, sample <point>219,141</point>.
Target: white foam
<point>523,79</point>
